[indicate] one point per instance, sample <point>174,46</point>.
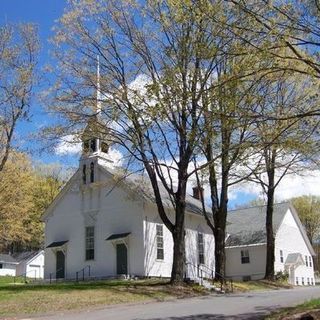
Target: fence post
<point>50,277</point>
<point>77,276</point>
<point>83,274</point>
<point>89,271</point>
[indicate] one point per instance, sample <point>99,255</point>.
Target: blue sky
<point>43,13</point>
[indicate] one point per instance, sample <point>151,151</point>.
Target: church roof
<point>141,185</point>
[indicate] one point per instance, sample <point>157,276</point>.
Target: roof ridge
<point>259,206</point>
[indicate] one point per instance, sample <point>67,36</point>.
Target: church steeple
<point>95,145</point>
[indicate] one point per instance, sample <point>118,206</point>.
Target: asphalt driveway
<point>253,305</point>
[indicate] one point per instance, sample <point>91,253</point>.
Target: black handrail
<point>55,272</point>
<point>82,270</point>
<point>212,274</point>
<point>224,280</point>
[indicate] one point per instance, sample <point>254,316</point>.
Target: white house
<point>246,245</point>
<point>105,223</point>
<point>7,265</point>
<point>29,264</point>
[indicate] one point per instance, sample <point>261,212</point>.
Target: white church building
<point>105,223</point>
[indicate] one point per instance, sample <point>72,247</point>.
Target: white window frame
<point>245,256</point>
<point>200,245</point>
<point>89,243</point>
<point>310,261</point>
<point>281,256</point>
<point>160,242</point>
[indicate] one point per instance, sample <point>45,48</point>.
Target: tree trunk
<point>178,234</point>
<point>220,221</point>
<point>178,264</point>
<point>269,229</point>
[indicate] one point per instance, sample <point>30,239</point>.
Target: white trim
<point>247,245</point>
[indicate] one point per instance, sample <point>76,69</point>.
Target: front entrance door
<point>122,264</point>
<point>60,265</point>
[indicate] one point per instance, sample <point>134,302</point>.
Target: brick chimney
<point>198,193</point>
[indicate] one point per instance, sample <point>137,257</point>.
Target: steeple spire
<point>98,104</point>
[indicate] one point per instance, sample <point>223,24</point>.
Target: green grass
<point>260,285</point>
<point>309,306</point>
<point>28,299</point>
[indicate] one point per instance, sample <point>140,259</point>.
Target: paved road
<point>254,305</point>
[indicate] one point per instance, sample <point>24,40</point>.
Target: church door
<point>60,265</point>
<point>122,263</point>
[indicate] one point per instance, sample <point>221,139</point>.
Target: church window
<point>89,243</point>
<point>160,251</point>
<point>281,256</point>
<point>200,248</point>
<point>306,259</point>
<point>93,145</point>
<point>84,174</point>
<point>310,261</point>
<point>91,172</point>
<point>245,256</point>
<point>104,147</point>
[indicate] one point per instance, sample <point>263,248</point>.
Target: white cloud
<point>68,145</point>
<point>116,157</point>
<point>292,185</point>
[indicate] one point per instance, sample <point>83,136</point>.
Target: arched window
<point>93,145</point>
<point>91,172</point>
<point>84,174</point>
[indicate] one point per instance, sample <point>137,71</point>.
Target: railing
<point>52,273</point>
<point>82,271</point>
<point>204,271</point>
<point>24,276</point>
<point>224,282</point>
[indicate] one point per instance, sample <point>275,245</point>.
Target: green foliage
<point>24,196</point>
<point>308,208</point>
<point>282,276</point>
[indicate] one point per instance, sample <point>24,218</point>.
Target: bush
<point>282,276</point>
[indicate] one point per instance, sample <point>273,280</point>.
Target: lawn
<point>28,299</point>
<point>311,307</point>
<point>260,285</point>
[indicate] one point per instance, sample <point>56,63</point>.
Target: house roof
<point>294,259</point>
<point>247,226</point>
<point>24,256</point>
<point>118,236</point>
<point>7,258</point>
<point>18,257</point>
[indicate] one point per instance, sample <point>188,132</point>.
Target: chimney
<point>198,193</point>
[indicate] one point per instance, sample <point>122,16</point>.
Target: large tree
<point>285,146</point>
<point>157,58</point>
<point>19,47</point>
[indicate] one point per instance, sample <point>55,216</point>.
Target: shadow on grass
<point>121,285</point>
